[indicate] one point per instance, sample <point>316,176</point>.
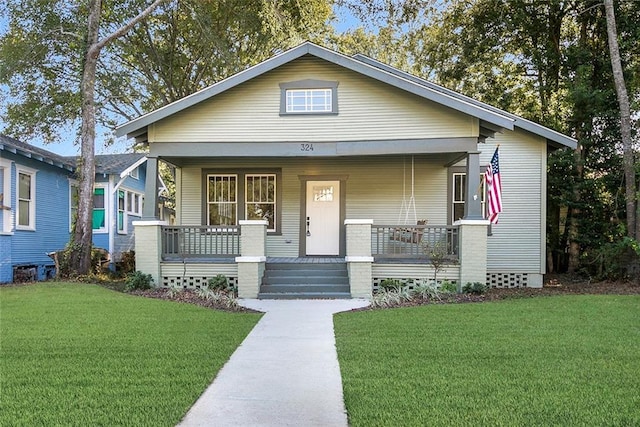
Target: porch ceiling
<point>441,150</point>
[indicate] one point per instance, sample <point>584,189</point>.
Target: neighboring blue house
<point>38,199</point>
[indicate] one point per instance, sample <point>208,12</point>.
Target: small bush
<point>389,284</point>
<point>447,287</point>
<point>138,281</point>
<point>475,288</point>
<point>174,289</point>
<point>219,283</point>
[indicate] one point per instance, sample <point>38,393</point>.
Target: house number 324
<point>306,147</point>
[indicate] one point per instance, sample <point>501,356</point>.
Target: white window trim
<point>125,214</point>
<point>128,209</point>
<point>483,194</point>
<point>106,209</point>
<point>5,166</point>
<point>134,173</point>
<point>32,201</point>
<point>308,85</point>
<point>72,183</point>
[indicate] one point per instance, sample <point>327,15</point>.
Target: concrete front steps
<point>284,280</point>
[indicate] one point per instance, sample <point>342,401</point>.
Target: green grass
<point>563,361</point>
<point>77,354</point>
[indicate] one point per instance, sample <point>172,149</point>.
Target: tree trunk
<point>80,256</point>
<point>625,122</point>
<point>83,233</point>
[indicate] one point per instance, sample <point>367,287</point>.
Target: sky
<point>69,144</point>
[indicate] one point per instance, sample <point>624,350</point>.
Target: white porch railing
<point>414,241</point>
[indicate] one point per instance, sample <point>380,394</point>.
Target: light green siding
<point>517,243</point>
<point>374,190</point>
<point>368,110</point>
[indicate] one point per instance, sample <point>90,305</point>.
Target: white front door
<point>323,218</point>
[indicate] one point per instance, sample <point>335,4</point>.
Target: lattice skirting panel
<point>410,283</point>
<point>507,280</point>
<point>192,282</point>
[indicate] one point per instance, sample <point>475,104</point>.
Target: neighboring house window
<point>222,200</point>
<point>26,192</point>
<point>99,209</point>
<point>260,198</point>
<point>134,203</point>
<point>309,97</point>
<point>5,196</point>
<point>122,216</point>
<point>73,201</point>
<point>458,195</point>
<point>134,173</point>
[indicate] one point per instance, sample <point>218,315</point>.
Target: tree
<point>80,255</point>
<point>633,227</point>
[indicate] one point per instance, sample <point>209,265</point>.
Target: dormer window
<point>309,97</point>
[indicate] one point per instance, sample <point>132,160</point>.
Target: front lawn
<point>565,360</point>
<point>77,354</point>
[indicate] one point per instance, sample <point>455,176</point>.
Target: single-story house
<point>319,174</point>
<point>38,198</point>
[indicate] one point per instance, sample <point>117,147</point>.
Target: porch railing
<point>184,241</point>
<point>414,241</point>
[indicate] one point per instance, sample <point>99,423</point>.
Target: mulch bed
<point>190,297</point>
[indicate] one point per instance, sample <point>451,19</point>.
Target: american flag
<point>494,188</point>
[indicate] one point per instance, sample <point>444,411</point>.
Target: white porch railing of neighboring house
<point>414,241</point>
<point>187,242</point>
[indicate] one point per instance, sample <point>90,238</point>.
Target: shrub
<point>389,284</point>
<point>447,287</point>
<point>219,283</point>
<point>138,281</point>
<point>475,288</point>
<point>174,289</point>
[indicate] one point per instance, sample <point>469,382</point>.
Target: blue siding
<point>6,268</point>
<point>29,247</point>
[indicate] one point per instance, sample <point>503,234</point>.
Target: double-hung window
<point>134,203</point>
<point>251,195</point>
<point>458,195</point>
<point>260,199</point>
<point>26,195</point>
<point>99,210</point>
<point>122,215</point>
<point>222,200</point>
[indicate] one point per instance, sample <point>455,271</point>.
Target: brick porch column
<point>473,250</point>
<point>359,257</point>
<point>148,247</point>
<point>253,251</point>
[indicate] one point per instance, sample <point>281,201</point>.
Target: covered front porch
<point>191,255</point>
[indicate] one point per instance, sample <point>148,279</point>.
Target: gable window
<point>26,206</point>
<point>134,173</point>
<point>309,97</point>
<point>458,195</point>
<point>308,100</point>
<point>222,200</point>
<point>260,199</point>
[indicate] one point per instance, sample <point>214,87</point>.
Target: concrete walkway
<point>285,373</point>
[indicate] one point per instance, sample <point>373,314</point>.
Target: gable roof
<point>116,164</point>
<point>27,150</point>
<point>492,119</point>
<point>105,163</point>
